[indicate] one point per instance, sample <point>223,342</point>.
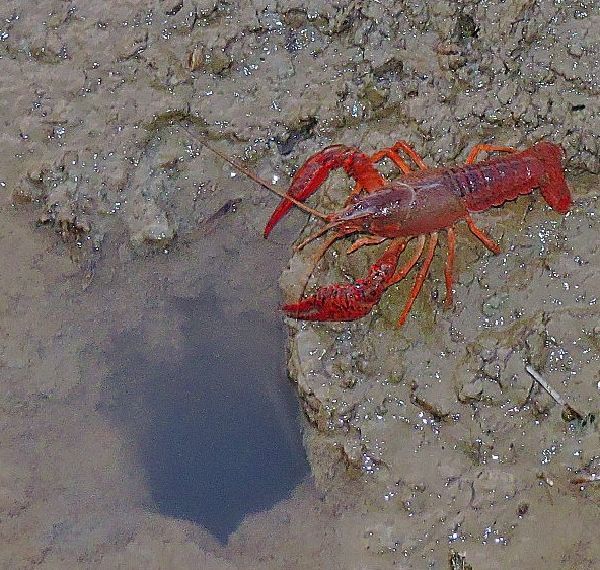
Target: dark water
<point>216,424</point>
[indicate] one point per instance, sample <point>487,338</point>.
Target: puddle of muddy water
<point>217,423</point>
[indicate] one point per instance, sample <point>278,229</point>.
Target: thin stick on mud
<point>568,410</point>
<point>593,478</point>
<point>254,177</point>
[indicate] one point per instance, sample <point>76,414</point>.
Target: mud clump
<point>465,424</point>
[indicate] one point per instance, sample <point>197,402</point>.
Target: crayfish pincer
<point>416,205</point>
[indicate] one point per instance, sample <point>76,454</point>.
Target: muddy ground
<point>420,440</point>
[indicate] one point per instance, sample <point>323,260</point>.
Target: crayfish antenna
<point>256,178</point>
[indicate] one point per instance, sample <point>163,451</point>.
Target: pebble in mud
<point>492,305</point>
<point>148,224</point>
<point>213,60</point>
<point>471,390</point>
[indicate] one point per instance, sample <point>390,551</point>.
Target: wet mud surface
<point>119,230</point>
<point>456,442</point>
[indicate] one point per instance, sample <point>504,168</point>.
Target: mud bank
<point>419,440</point>
<point>453,442</point>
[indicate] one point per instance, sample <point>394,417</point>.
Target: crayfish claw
<point>332,303</point>
<point>315,171</point>
<point>350,301</point>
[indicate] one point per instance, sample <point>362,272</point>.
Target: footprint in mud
<point>217,424</point>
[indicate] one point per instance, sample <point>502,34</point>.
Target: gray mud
<point>452,440</point>
<point>420,440</point>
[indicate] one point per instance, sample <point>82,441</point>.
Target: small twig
<point>540,380</point>
<point>593,478</point>
<point>568,410</point>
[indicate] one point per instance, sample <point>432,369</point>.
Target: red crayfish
<point>416,205</point>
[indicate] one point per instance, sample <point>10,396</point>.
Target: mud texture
<point>451,438</point>
<point>421,440</point>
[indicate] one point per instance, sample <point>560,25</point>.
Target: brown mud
<point>420,441</point>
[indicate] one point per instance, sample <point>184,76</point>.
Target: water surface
<point>216,422</point>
